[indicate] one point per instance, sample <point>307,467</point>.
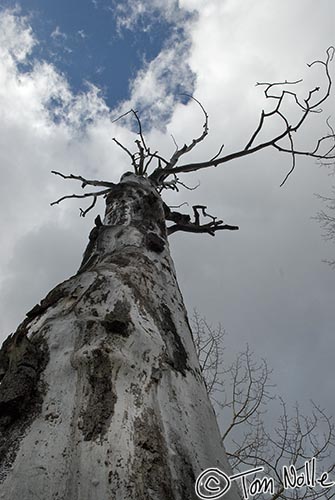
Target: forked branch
<point>84,182</point>
<point>282,141</point>
<point>138,159</point>
<point>184,223</point>
<point>188,147</point>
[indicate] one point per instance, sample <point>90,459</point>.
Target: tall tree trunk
<point>102,395</point>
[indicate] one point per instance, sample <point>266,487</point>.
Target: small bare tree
<point>241,393</point>
<point>326,218</point>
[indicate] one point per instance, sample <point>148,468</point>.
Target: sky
<point>69,69</point>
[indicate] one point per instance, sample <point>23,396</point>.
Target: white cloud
<point>16,37</point>
<point>58,34</point>
<point>154,88</point>
<point>44,127</point>
<point>130,14</point>
<point>153,91</point>
<point>82,34</point>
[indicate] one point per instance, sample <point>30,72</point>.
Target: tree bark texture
<point>102,395</point>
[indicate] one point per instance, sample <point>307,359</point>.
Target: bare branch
<point>187,148</point>
<point>86,195</point>
<point>84,212</point>
<point>160,158</point>
<point>189,188</point>
<point>193,167</point>
<point>152,156</point>
<point>140,132</point>
<point>293,160</point>
<point>310,105</point>
<point>134,112</point>
<point>173,184</point>
<point>184,223</point>
<point>141,157</point>
<point>85,182</point>
<point>205,228</point>
<point>180,205</point>
<point>138,159</point>
<point>159,174</point>
<point>203,208</point>
<point>218,153</point>
<point>122,116</point>
<point>174,141</point>
<point>132,156</point>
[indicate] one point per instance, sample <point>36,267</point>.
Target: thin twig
<point>86,195</point>
<point>84,181</point>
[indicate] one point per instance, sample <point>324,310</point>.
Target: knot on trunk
<point>118,321</point>
<point>154,243</point>
<point>21,361</point>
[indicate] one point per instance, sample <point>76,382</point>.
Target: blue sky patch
<point>84,42</point>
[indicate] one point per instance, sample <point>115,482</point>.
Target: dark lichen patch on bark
<point>177,356</point>
<point>118,322</point>
<point>21,391</point>
<point>51,299</point>
<point>150,460</point>
<point>96,416</point>
<point>93,294</point>
<point>154,243</point>
<point>151,215</point>
<point>152,206</point>
<point>21,361</point>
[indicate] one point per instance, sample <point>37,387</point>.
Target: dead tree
<point>102,394</point>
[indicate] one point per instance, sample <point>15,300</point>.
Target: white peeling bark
<point>102,395</point>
